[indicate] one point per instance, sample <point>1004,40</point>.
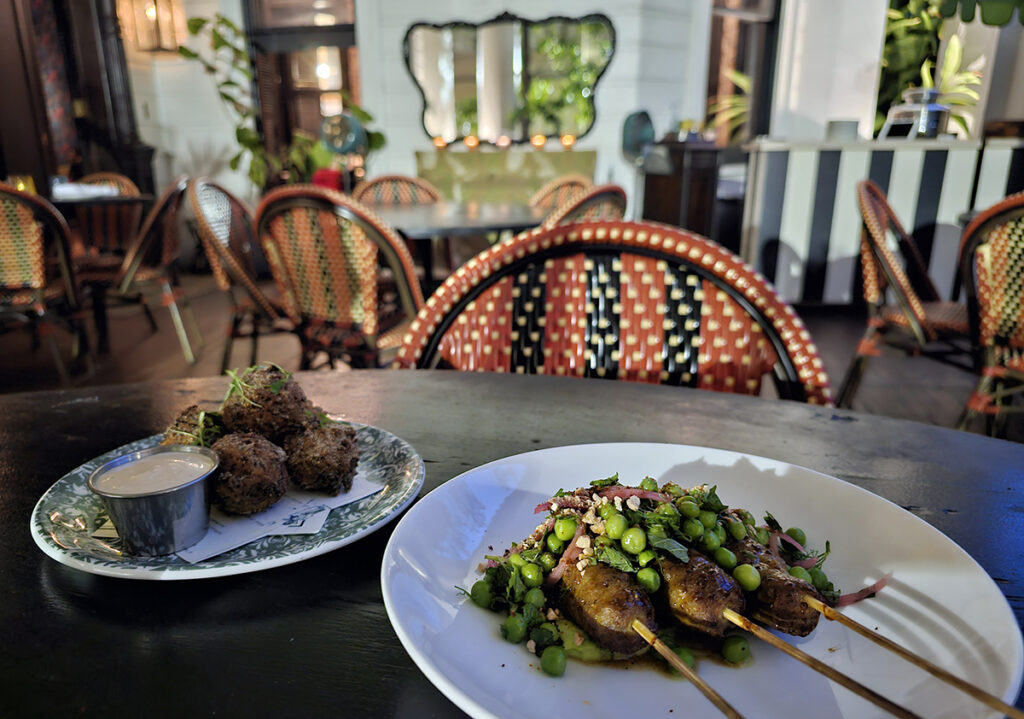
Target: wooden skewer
<point>936,671</point>
<point>684,669</point>
<point>818,665</point>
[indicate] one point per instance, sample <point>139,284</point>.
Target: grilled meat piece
<point>779,600</point>
<point>604,602</point>
<point>323,458</point>
<point>698,592</point>
<point>267,401</point>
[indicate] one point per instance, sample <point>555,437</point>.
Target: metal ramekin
<point>161,522</point>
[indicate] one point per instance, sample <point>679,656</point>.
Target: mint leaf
<point>606,482</point>
<point>657,538</point>
<point>615,559</point>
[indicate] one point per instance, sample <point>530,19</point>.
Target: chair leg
<point>866,348</point>
<point>46,331</point>
<point>149,313</point>
<point>179,327</point>
<point>236,322</point>
<point>976,402</point>
<point>98,294</point>
<point>255,342</point>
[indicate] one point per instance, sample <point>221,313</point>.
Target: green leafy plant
<point>955,85</point>
<point>911,38</point>
<point>731,112</point>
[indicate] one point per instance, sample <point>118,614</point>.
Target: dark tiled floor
<point>896,386</point>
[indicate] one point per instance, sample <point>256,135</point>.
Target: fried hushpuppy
<point>323,458</point>
<point>252,475</point>
<point>194,426</point>
<point>266,400</point>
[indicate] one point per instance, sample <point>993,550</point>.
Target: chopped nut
<point>597,528</point>
<point>531,646</point>
<point>578,639</point>
<point>583,542</point>
<point>581,565</point>
<point>633,503</point>
<point>554,506</point>
<point>588,552</point>
<point>552,615</point>
<point>618,503</point>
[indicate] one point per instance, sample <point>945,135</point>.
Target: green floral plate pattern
<point>385,459</point>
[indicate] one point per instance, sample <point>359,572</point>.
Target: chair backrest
<point>34,248</point>
<point>225,229</point>
<point>992,267</point>
<point>323,248</point>
<point>396,190</point>
<point>158,242</point>
<point>604,202</point>
<point>559,191</point>
<point>109,228</point>
<point>620,300</point>
<point>881,268</point>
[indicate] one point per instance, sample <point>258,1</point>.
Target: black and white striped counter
<point>801,225</point>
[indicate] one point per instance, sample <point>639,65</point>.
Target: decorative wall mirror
<point>508,79</point>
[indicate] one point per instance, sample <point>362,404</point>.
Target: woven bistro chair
<point>604,202</point>
<point>323,250</point>
<point>38,287</point>
<point>106,230</point>
<point>919,323</point>
<point>559,191</point>
<point>618,300</point>
<point>224,227</point>
<point>992,268</point>
<point>396,190</point>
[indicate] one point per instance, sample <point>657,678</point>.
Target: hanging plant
<point>956,86</point>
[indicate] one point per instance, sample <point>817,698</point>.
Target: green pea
<point>688,508</point>
<point>693,529</point>
<point>615,526</point>
<point>801,573</point>
<point>554,544</point>
<point>725,559</point>
<point>746,516</point>
<point>648,579</point>
<point>565,528</point>
<point>606,510</point>
<point>516,560</point>
<point>735,650</point>
<point>531,574</point>
<point>763,536</point>
<point>798,535</point>
<point>711,541</point>
<point>737,529</point>
<point>720,532</point>
<point>666,509</point>
<point>514,628</point>
<point>481,594</point>
<point>646,557</point>
<point>649,484</point>
<point>547,561</point>
<point>686,655</point>
<point>747,576</point>
<point>819,579</point>
<point>535,596</point>
<point>707,518</point>
<point>634,540</point>
<point>552,661</point>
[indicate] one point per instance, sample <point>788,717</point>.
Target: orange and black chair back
<point>324,250</point>
<point>604,202</point>
<point>559,191</point>
<point>109,229</point>
<point>618,300</point>
<point>396,190</point>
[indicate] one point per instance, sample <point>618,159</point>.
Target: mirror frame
<point>505,17</point>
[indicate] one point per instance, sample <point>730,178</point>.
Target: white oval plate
<point>384,459</point>
<point>940,602</point>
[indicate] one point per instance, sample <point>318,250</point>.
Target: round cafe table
<point>313,638</point>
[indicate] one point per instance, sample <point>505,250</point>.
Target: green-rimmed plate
<point>385,460</point>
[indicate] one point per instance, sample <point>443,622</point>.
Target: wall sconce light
<point>439,143</point>
<point>150,25</point>
<point>567,141</point>
<point>538,141</point>
<point>471,141</point>
<point>503,141</point>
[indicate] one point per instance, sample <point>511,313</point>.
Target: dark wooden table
<point>451,219</point>
<point>313,638</point>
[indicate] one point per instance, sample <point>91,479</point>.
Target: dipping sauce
<point>154,473</point>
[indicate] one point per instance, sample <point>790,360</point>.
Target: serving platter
<point>939,603</point>
<point>386,460</point>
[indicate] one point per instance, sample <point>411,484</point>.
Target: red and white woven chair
<point>559,191</point>
<point>618,300</point>
<point>396,190</point>
<point>604,202</point>
<point>919,322</point>
<point>992,266</point>
<point>323,249</point>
